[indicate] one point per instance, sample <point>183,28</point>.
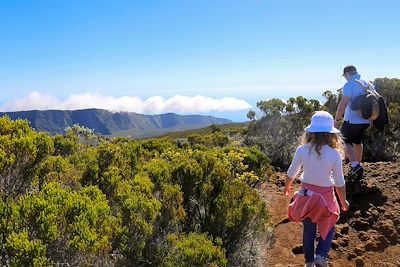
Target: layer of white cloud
<point>152,105</point>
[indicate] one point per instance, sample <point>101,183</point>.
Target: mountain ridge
<point>108,123</point>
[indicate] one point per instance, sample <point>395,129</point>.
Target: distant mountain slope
<point>113,123</point>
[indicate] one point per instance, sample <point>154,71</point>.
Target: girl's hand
<point>345,206</point>
<point>288,184</point>
<point>286,191</point>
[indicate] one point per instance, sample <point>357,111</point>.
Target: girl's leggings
<point>309,235</point>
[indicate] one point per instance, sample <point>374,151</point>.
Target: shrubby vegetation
<point>83,200</point>
<point>276,130</point>
<point>21,150</point>
<point>385,146</point>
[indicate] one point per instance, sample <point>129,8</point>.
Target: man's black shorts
<point>353,133</point>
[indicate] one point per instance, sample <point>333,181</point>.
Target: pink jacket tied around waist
<point>316,203</point>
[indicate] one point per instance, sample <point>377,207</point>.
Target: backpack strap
<point>369,86</point>
<point>365,88</point>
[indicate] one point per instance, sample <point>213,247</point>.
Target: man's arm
<point>341,108</point>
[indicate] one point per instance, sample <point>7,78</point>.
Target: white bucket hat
<point>321,122</point>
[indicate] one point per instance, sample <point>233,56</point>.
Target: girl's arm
<point>340,184</point>
<point>341,192</point>
<point>293,170</point>
<point>288,185</point>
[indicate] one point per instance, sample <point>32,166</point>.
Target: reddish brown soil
<point>367,235</point>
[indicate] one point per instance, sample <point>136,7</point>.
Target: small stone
<point>360,225</point>
<point>335,244</point>
<point>345,229</point>
<point>375,214</point>
<point>357,214</point>
<point>298,249</point>
<point>359,262</point>
<point>351,256</point>
<point>359,250</point>
<point>338,235</point>
<point>371,245</point>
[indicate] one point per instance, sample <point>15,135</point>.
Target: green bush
<point>193,250</point>
<point>21,151</point>
<point>90,201</point>
<point>25,252</point>
<point>62,223</point>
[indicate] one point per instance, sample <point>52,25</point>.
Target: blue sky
<point>226,52</point>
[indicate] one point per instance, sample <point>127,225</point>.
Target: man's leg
<point>348,136</point>
<point>350,153</point>
<point>354,154</point>
<point>358,152</point>
<point>353,135</point>
<point>358,146</point>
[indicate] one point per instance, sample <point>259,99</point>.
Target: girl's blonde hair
<point>317,140</point>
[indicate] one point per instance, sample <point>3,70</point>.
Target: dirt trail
<point>367,235</point>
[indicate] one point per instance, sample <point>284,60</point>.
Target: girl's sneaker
<point>320,261</point>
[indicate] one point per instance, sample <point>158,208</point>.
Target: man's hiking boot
<point>356,172</point>
<point>309,264</point>
<point>320,261</point>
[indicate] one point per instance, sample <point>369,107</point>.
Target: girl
<point>315,203</point>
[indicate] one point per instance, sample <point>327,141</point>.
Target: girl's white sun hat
<point>321,122</point>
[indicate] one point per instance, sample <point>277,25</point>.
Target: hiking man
<point>354,125</point>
